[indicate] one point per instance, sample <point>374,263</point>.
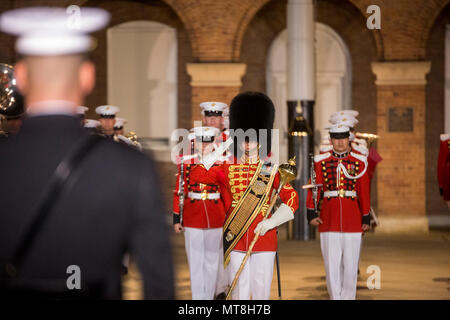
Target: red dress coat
<point>341,213</point>
<point>202,213</point>
<point>443,170</point>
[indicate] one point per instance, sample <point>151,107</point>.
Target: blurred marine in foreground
<point>65,222</point>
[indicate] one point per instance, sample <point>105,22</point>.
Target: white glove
<point>283,214</point>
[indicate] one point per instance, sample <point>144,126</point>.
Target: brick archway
<point>158,11</point>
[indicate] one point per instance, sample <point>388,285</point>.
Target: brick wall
<point>401,174</point>
<point>216,26</point>
<point>405,25</point>
<point>202,94</point>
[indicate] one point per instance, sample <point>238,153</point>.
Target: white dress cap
<point>91,123</point>
<point>107,110</point>
<point>343,113</point>
<point>119,123</point>
<point>213,107</point>
<point>82,110</point>
<point>206,133</point>
<point>338,128</point>
<point>349,122</point>
<point>48,31</point>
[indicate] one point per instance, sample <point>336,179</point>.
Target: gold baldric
<point>248,207</point>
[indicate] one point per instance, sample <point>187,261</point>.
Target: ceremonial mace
<point>288,172</point>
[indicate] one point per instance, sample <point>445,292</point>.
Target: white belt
<point>340,193</point>
<point>203,195</point>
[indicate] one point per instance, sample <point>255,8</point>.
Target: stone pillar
<point>214,82</point>
<point>300,51</point>
<point>301,95</point>
<point>401,127</point>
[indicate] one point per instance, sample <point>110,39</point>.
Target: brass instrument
<point>130,138</point>
<point>11,101</point>
<point>288,172</point>
<point>7,87</point>
<point>369,137</point>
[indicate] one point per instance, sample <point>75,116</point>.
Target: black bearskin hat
<point>253,110</point>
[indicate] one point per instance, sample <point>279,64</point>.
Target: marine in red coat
<point>443,170</point>
<point>345,202</point>
<point>203,203</point>
<point>253,111</point>
<point>343,211</point>
<point>215,114</point>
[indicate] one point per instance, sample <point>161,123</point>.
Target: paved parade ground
<point>411,267</point>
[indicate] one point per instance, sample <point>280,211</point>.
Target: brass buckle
<point>204,195</point>
<point>341,193</point>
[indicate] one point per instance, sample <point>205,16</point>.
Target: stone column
<point>214,82</point>
<point>401,127</point>
<point>301,95</point>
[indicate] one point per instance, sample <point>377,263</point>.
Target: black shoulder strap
<point>50,195</point>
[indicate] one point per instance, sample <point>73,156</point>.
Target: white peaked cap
<point>49,31</point>
<point>82,109</point>
<point>204,132</point>
<point>349,121</point>
<point>119,122</point>
<point>343,113</point>
<point>107,110</point>
<point>91,123</point>
<point>213,106</point>
<point>338,128</point>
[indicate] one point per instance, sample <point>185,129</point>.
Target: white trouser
<point>222,275</point>
<point>203,252</point>
<point>340,251</point>
<point>255,278</point>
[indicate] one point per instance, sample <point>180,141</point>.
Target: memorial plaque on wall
<point>400,119</point>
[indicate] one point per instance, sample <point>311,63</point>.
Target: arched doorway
<point>142,79</point>
<point>333,80</point>
<point>437,113</point>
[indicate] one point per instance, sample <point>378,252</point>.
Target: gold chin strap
<point>251,159</point>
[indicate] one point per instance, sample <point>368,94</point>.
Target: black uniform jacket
<point>114,206</point>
